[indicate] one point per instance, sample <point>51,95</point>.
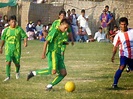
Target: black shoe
<point>30,75</point>
<point>114,86</point>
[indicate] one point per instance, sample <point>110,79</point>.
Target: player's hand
<point>1,50</point>
<point>112,59</point>
<point>53,71</point>
<point>43,56</point>
<point>25,44</point>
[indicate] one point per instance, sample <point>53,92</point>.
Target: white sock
<point>34,73</point>
<point>49,86</point>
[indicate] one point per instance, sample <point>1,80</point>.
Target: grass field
<point>88,65</point>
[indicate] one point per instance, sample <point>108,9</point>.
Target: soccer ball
<point>70,86</point>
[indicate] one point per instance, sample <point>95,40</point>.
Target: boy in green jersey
<point>53,44</point>
<point>11,38</point>
<point>66,35</point>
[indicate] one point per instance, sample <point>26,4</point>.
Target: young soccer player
<point>11,38</point>
<point>53,44</point>
<point>123,39</point>
<point>66,34</point>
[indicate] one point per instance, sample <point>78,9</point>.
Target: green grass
<point>88,65</point>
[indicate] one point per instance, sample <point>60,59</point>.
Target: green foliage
<point>88,65</point>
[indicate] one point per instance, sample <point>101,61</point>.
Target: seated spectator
<point>30,29</point>
<point>43,34</point>
<point>100,36</point>
<point>5,19</point>
<point>82,35</point>
<point>113,33</point>
<point>39,28</point>
<point>5,26</point>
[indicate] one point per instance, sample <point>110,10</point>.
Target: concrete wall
<point>94,9</point>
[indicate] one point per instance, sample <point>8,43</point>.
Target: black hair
<point>65,21</point>
<point>82,11</point>
<point>62,12</point>
<point>5,16</point>
<point>106,6</point>
<point>38,20</point>
<point>13,17</point>
<point>100,28</point>
<point>73,10</point>
<point>115,26</point>
<point>123,19</point>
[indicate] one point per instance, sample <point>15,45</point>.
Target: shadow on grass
<point>119,88</point>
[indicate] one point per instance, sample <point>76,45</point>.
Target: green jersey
<point>55,40</point>
<point>12,38</point>
<point>56,24</point>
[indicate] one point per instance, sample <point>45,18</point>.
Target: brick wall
<point>94,9</point>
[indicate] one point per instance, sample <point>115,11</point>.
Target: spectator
<point>105,21</point>
<point>82,35</point>
<point>30,29</point>
<point>43,34</point>
<point>39,28</point>
<point>100,36</point>
<point>74,25</point>
<point>5,19</point>
<point>83,22</point>
<point>113,33</point>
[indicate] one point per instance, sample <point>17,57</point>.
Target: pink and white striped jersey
<point>125,43</point>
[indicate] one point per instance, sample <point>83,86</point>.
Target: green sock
<point>17,68</point>
<point>57,79</point>
<point>45,71</point>
<point>8,69</point>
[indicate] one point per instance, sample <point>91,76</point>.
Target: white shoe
<point>49,87</point>
<point>8,78</point>
<point>17,75</point>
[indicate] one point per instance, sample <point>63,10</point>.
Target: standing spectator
<point>39,28</point>
<point>105,20</point>
<point>123,40</point>
<point>83,22</point>
<point>5,19</point>
<point>74,24</point>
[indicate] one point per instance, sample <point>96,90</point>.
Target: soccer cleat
<point>128,69</point>
<point>30,75</point>
<point>17,75</point>
<point>49,87</point>
<point>114,86</point>
<point>8,78</point>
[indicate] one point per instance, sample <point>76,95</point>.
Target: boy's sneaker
<point>17,75</point>
<point>114,86</point>
<point>8,78</point>
<point>49,87</point>
<point>30,75</point>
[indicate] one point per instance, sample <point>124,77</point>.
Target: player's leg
<point>45,71</point>
<point>61,74</point>
<point>123,62</point>
<point>16,61</point>
<point>130,64</point>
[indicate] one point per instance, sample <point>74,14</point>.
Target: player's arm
<point>25,42</point>
<point>1,48</point>
<point>44,49</point>
<point>23,35</point>
<point>114,52</point>
<point>71,37</point>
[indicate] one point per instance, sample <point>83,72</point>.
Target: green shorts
<point>55,61</point>
<point>15,59</point>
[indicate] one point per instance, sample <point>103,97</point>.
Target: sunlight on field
<point>88,66</point>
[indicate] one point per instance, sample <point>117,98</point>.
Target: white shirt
<point>125,43</point>
<point>82,21</point>
<point>99,36</point>
<point>39,28</point>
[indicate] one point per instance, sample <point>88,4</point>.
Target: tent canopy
<point>9,3</point>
